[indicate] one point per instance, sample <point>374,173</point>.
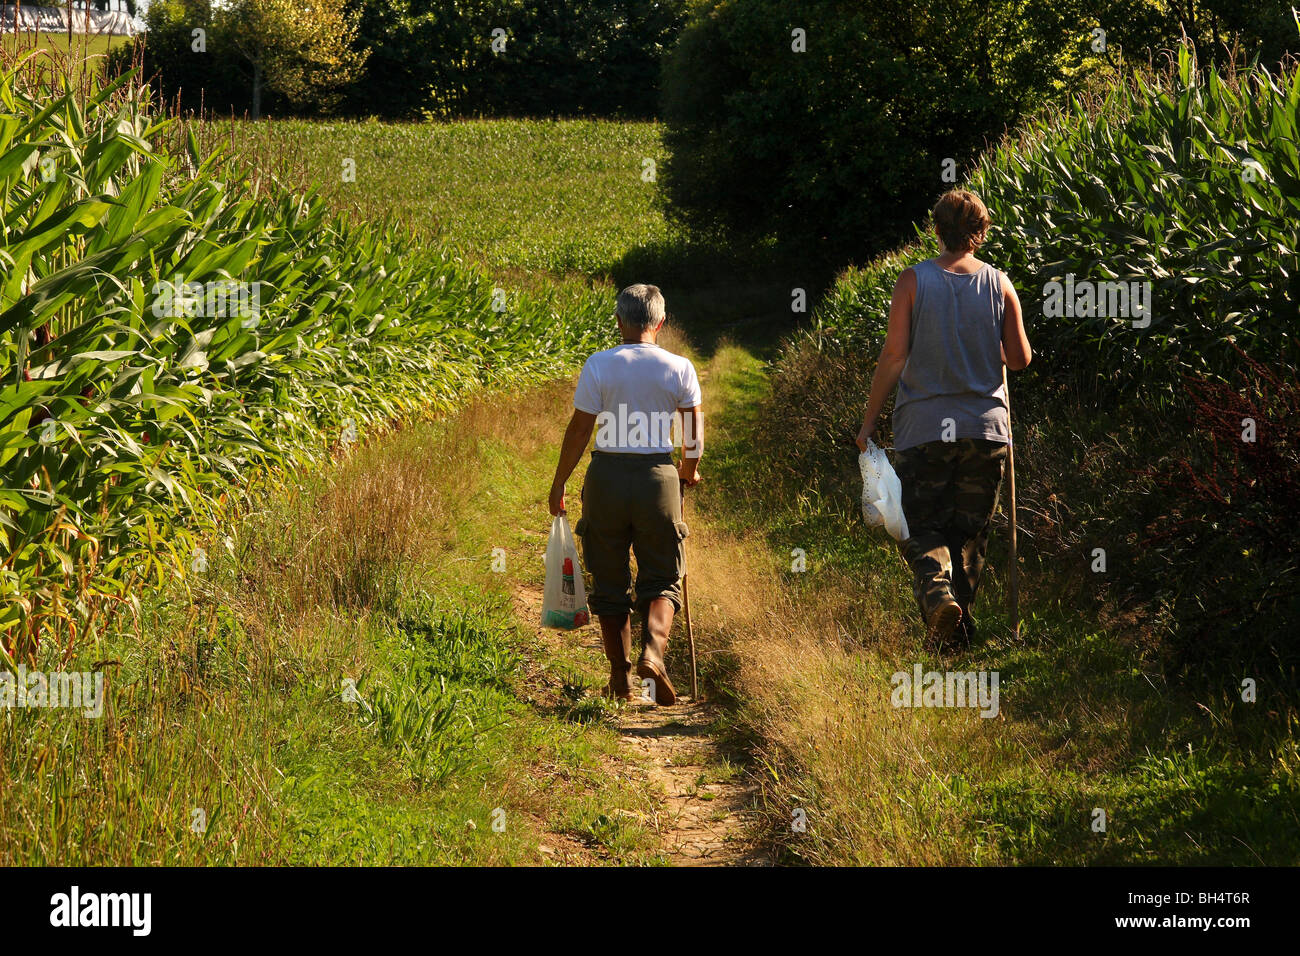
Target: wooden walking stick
<point>1011,492</point>
<point>686,609</point>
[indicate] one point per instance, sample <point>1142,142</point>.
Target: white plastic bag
<point>882,493</point>
<point>564,599</point>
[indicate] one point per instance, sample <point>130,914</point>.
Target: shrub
<point>182,78</point>
<point>1226,536</point>
<point>843,144</point>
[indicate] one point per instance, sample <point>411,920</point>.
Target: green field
<point>370,564</point>
<point>1088,725</point>
<point>84,46</point>
<point>561,196</point>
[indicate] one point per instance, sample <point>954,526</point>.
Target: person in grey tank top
<point>954,322</point>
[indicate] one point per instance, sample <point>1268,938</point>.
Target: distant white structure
<point>114,20</point>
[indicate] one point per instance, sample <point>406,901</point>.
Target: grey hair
<point>641,306</point>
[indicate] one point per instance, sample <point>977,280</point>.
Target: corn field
<point>169,331</point>
<point>1186,180</point>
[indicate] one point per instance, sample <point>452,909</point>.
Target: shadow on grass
<point>1178,809</point>
<point>755,294</point>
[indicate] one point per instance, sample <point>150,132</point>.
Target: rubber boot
<point>654,650</point>
<point>616,633</point>
<point>944,622</point>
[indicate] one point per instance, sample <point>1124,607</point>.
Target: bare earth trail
<point>700,794</point>
<point>701,816</point>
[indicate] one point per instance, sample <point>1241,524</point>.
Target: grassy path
<point>589,782</point>
<point>700,799</point>
<point>700,794</point>
<point>359,678</point>
<point>1094,757</point>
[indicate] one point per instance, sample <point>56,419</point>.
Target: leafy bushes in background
<point>244,55</point>
<point>594,57</point>
<point>585,58</point>
<point>843,146</point>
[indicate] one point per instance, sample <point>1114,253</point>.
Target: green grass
<point>1186,775</point>
<point>409,796</point>
<point>541,204</point>
<point>232,700</point>
<point>81,44</point>
<point>562,196</point>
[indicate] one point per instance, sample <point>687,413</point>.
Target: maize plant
<point>1186,180</point>
<point>1191,183</point>
<point>165,335</point>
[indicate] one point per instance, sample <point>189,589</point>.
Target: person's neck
<point>948,257</point>
<point>644,340</point>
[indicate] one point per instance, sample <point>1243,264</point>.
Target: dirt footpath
<point>701,818</point>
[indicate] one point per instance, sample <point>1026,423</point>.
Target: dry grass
<point>812,678</point>
<point>809,669</point>
<point>674,339</point>
<point>345,543</point>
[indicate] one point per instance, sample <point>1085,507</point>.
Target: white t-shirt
<point>634,390</point>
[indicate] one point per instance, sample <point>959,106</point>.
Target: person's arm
<point>1015,343</point>
<point>690,402</point>
<point>692,445</point>
<point>893,357</point>
<point>576,437</point>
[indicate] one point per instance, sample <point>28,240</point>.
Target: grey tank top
<point>951,386</point>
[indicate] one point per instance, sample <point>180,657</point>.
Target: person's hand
<point>557,500</point>
<point>690,478</point>
<point>864,435</point>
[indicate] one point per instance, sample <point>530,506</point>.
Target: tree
<point>833,124</point>
<point>836,123</point>
<point>303,52</point>
<point>576,58</point>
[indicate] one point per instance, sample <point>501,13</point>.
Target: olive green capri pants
<point>632,502</point>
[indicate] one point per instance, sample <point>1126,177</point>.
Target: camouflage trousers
<point>950,492</point>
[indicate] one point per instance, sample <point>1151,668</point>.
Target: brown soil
<point>701,817</point>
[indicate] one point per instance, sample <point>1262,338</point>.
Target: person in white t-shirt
<point>631,500</point>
